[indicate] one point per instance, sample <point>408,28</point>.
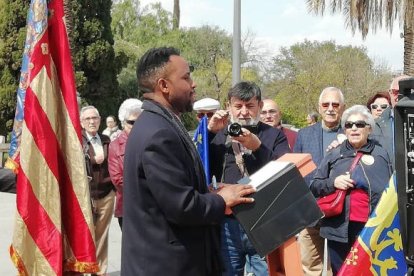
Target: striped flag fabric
<point>53,228</point>
<point>201,142</point>
<point>378,249</point>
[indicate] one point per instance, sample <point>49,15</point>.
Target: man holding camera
<point>236,151</point>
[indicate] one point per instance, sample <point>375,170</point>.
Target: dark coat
<point>100,184</point>
<point>310,140</point>
<point>274,144</point>
<point>7,181</point>
<point>336,163</point>
<point>170,219</point>
<point>383,133</point>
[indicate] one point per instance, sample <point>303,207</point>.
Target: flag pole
<point>236,42</point>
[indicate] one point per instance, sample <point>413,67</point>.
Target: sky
<point>277,23</point>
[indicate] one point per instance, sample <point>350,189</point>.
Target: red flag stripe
<point>59,48</point>
<point>46,140</point>
<point>37,220</point>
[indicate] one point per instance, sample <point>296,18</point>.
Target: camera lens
<point>234,129</point>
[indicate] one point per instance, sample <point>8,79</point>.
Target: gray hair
<point>331,88</point>
<point>87,108</point>
<point>360,110</point>
<point>129,107</point>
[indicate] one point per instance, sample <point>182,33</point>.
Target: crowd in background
<point>334,137</point>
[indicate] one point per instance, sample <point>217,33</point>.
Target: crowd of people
<point>150,176</point>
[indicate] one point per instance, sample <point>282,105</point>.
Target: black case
<point>283,206</point>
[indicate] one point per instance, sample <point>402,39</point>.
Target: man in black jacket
<point>170,217</point>
<point>234,157</point>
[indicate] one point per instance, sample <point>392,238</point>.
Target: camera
<point>235,129</point>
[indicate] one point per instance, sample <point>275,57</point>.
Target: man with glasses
<point>234,157</point>
<point>272,116</point>
<point>102,193</point>
<point>383,131</point>
<point>315,140</point>
<point>206,106</point>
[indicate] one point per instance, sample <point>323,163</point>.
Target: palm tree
<point>366,15</point>
<point>176,14</point>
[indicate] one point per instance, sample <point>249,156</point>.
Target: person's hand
<point>340,138</point>
<point>234,194</point>
<point>344,182</point>
<point>218,121</point>
<point>248,139</point>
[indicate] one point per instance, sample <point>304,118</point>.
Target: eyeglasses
<point>327,104</point>
<point>130,122</point>
<point>395,92</point>
<point>271,112</point>
<point>91,118</point>
<point>201,114</point>
<point>375,106</point>
<point>358,124</point>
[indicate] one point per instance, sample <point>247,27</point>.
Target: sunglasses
<point>358,124</point>
<point>208,114</point>
<point>327,104</point>
<point>375,106</point>
<point>130,122</point>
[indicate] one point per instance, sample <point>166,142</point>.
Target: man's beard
<point>245,121</point>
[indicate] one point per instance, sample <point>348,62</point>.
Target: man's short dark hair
<point>152,66</point>
<point>245,91</point>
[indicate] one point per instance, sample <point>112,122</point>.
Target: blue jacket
<point>310,140</point>
<point>337,162</point>
<point>383,132</point>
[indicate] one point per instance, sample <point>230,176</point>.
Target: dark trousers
<point>339,250</point>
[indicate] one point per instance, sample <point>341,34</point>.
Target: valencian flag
<point>53,228</point>
<point>201,142</point>
<point>378,249</point>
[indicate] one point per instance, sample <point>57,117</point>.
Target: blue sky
<point>277,23</point>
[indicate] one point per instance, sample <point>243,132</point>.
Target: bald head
<point>270,113</point>
<point>395,88</point>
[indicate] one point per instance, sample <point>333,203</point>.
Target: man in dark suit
<point>315,139</point>
<point>170,217</point>
<point>233,158</point>
<point>383,131</point>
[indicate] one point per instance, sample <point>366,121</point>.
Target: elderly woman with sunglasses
<point>378,103</point>
<point>128,112</point>
<point>364,183</point>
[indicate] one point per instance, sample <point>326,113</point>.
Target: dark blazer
<point>100,184</point>
<point>170,219</point>
<point>309,140</point>
<point>383,133</point>
<point>274,144</point>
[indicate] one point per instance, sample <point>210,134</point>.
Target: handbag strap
<point>355,161</point>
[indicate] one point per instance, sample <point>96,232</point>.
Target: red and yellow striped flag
<point>53,229</point>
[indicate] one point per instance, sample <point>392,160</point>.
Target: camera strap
<point>239,159</point>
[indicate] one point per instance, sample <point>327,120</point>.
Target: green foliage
<point>94,59</point>
<point>12,36</point>
<point>303,70</point>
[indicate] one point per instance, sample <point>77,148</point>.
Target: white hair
<point>360,110</point>
<point>87,108</point>
<point>331,88</point>
<point>129,107</point>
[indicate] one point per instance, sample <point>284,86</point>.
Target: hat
<point>206,104</point>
